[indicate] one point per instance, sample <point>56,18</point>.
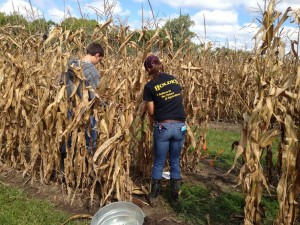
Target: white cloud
<point>223,29</point>
<point>280,6</point>
<point>91,9</point>
<point>112,7</point>
<point>41,3</point>
<point>210,4</point>
<point>216,17</point>
<point>222,25</point>
<point>21,7</point>
<point>56,15</point>
<point>220,32</point>
<point>249,5</point>
<point>290,32</point>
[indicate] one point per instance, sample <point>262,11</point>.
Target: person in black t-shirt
<point>163,98</point>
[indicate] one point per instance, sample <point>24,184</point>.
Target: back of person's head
<point>94,48</point>
<point>152,65</point>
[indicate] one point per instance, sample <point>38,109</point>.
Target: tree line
<point>179,28</point>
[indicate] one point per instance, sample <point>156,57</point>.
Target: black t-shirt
<point>165,92</point>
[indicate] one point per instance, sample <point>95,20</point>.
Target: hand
<point>151,121</point>
<point>142,109</point>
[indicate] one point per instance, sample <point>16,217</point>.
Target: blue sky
<point>229,22</point>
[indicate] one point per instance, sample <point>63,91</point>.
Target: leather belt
<point>170,121</point>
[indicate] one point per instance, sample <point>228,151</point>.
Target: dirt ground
<point>163,214</point>
<point>225,126</point>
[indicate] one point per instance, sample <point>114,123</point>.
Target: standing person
<point>94,55</point>
<point>163,98</point>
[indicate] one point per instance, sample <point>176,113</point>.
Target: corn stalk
<point>274,115</point>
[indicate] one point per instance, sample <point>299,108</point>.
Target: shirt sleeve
<point>147,96</point>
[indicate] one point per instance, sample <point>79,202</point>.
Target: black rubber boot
<point>175,187</point>
<point>155,190</point>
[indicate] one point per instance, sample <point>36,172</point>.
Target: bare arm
<point>150,109</point>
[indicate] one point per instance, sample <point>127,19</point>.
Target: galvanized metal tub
<point>119,213</point>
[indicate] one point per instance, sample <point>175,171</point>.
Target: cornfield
<point>261,88</point>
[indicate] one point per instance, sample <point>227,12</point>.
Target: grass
<point>17,208</point>
<point>197,204</point>
<point>221,140</point>
<point>271,207</point>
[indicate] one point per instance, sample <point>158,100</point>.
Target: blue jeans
<point>168,137</point>
<point>90,139</point>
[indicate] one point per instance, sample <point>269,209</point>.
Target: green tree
<point>13,19</point>
<point>3,19</point>
<point>74,24</point>
<point>51,23</point>
<point>37,26</point>
<point>179,28</point>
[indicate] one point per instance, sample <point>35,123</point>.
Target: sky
<point>230,23</point>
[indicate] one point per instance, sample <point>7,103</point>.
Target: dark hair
<point>94,48</point>
<point>150,61</point>
<point>155,70</point>
<point>153,65</point>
